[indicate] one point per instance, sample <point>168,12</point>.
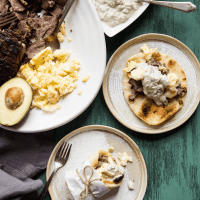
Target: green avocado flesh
<point>15,100</point>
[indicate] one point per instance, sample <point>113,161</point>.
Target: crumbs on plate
<point>79,92</point>
<point>69,39</point>
<point>85,78</point>
<point>50,77</point>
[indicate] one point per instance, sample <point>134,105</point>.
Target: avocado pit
<point>14,98</point>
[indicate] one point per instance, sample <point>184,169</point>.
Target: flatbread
<point>94,162</point>
<point>145,108</point>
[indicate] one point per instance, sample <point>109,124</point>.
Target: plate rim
<point>102,128</point>
<point>95,15</point>
<point>140,38</point>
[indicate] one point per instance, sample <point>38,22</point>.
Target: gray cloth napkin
<point>22,156</point>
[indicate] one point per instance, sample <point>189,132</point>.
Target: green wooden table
<point>172,158</point>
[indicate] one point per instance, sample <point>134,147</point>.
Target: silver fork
<point>182,6</point>
<point>7,18</point>
<point>60,160</point>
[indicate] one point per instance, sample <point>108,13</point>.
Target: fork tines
<point>64,150</point>
<point>7,18</point>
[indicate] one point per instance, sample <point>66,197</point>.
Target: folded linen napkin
<point>22,156</point>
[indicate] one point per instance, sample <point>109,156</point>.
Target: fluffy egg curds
<point>50,76</point>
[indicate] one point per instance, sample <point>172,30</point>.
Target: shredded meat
<point>47,4</point>
<point>136,87</point>
<point>30,23</point>
<point>102,159</point>
<point>17,5</point>
<point>4,5</point>
<point>35,48</point>
<point>153,62</point>
<point>118,178</point>
<point>43,26</point>
<point>181,91</point>
<point>57,11</point>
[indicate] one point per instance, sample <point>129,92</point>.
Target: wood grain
<point>172,158</point>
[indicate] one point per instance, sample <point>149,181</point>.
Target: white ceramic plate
<point>113,87</point>
<point>112,31</point>
<point>88,46</point>
<point>87,140</point>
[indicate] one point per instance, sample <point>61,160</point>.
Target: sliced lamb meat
<point>17,5</point>
<point>43,26</point>
<point>133,94</point>
<point>57,11</point>
<point>118,178</point>
<point>99,164</point>
<point>11,54</point>
<point>4,5</point>
<point>181,91</point>
<point>24,27</point>
<point>103,158</point>
<point>35,48</point>
<point>13,25</point>
<point>137,85</point>
<point>32,14</point>
<point>21,16</point>
<point>61,2</point>
<point>47,4</point>
<point>153,62</point>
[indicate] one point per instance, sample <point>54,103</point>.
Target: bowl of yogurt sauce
<point>116,15</point>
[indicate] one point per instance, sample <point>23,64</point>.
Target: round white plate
<point>88,46</point>
<point>87,140</point>
<point>113,88</point>
<point>112,31</point>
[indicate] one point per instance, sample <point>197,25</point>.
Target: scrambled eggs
<point>50,77</point>
<point>61,35</point>
<point>80,92</point>
<point>85,79</point>
<point>124,158</point>
<point>69,39</point>
<point>148,52</point>
<point>130,66</point>
<point>174,83</point>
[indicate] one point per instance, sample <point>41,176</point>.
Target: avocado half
<point>15,99</point>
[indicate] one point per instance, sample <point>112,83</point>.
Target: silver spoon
<point>182,6</point>
<point>52,40</point>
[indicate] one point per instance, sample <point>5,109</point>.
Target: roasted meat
<point>136,88</point>
<point>12,50</point>
<point>4,5</point>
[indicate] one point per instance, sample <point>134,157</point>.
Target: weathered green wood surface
<point>172,159</point>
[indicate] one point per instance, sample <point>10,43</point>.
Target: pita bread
<point>94,162</point>
<point>145,108</point>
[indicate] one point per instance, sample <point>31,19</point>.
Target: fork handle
<point>66,9</point>
<point>44,191</point>
<point>182,6</point>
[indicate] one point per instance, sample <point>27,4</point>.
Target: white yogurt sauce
<point>115,12</point>
<point>110,169</point>
<point>154,83</point>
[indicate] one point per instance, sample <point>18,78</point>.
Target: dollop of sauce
<point>154,83</point>
<point>115,12</point>
<point>111,169</point>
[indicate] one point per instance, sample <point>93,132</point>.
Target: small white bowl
<point>112,31</point>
